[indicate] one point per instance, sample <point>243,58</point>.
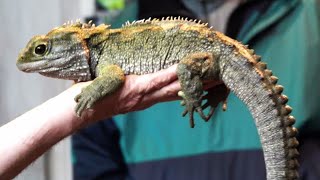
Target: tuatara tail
<point>256,87</point>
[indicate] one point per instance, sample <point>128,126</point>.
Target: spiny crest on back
<point>78,24</point>
<point>85,29</point>
<point>168,19</point>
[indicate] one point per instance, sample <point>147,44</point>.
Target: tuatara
<point>83,52</point>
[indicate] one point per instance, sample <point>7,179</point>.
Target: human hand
<point>40,128</point>
<point>137,93</point>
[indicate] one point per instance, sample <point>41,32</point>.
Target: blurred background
<point>20,21</point>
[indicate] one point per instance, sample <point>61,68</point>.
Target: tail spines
<point>288,120</point>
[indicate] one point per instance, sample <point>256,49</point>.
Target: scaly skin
<point>83,52</point>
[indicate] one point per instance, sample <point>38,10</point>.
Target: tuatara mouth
<point>43,66</point>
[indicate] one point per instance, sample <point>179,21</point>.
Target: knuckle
<point>170,93</point>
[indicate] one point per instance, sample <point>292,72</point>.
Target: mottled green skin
<point>141,49</point>
<point>82,52</point>
<point>149,51</point>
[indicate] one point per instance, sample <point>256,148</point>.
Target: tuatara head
<point>62,53</point>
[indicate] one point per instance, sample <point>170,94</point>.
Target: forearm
<point>27,137</point>
<point>30,135</point>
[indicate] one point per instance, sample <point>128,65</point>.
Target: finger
<point>169,73</point>
<point>157,80</point>
<point>81,84</point>
<point>167,93</point>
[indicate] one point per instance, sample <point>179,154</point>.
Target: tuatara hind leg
<point>192,70</point>
<point>216,95</point>
<point>110,78</point>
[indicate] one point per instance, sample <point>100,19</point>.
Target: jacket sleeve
<point>97,154</point>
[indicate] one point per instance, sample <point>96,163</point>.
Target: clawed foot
<point>192,106</point>
<point>214,96</point>
<point>85,100</point>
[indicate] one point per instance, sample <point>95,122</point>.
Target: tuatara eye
<point>40,49</point>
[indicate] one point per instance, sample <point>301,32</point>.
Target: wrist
<point>60,112</point>
<point>31,134</point>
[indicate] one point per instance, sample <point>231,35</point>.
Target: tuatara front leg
<point>110,78</point>
<point>191,71</point>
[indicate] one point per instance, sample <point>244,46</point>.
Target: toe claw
<point>205,105</point>
<point>77,98</point>
<point>203,116</point>
<point>210,113</point>
<point>200,112</point>
<point>85,100</point>
<point>224,105</point>
<point>191,119</point>
<point>79,109</point>
<point>83,104</point>
<point>181,94</point>
<point>89,104</point>
<point>185,112</point>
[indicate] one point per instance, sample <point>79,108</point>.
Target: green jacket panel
<point>288,42</point>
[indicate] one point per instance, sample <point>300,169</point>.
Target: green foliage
<point>112,4</point>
